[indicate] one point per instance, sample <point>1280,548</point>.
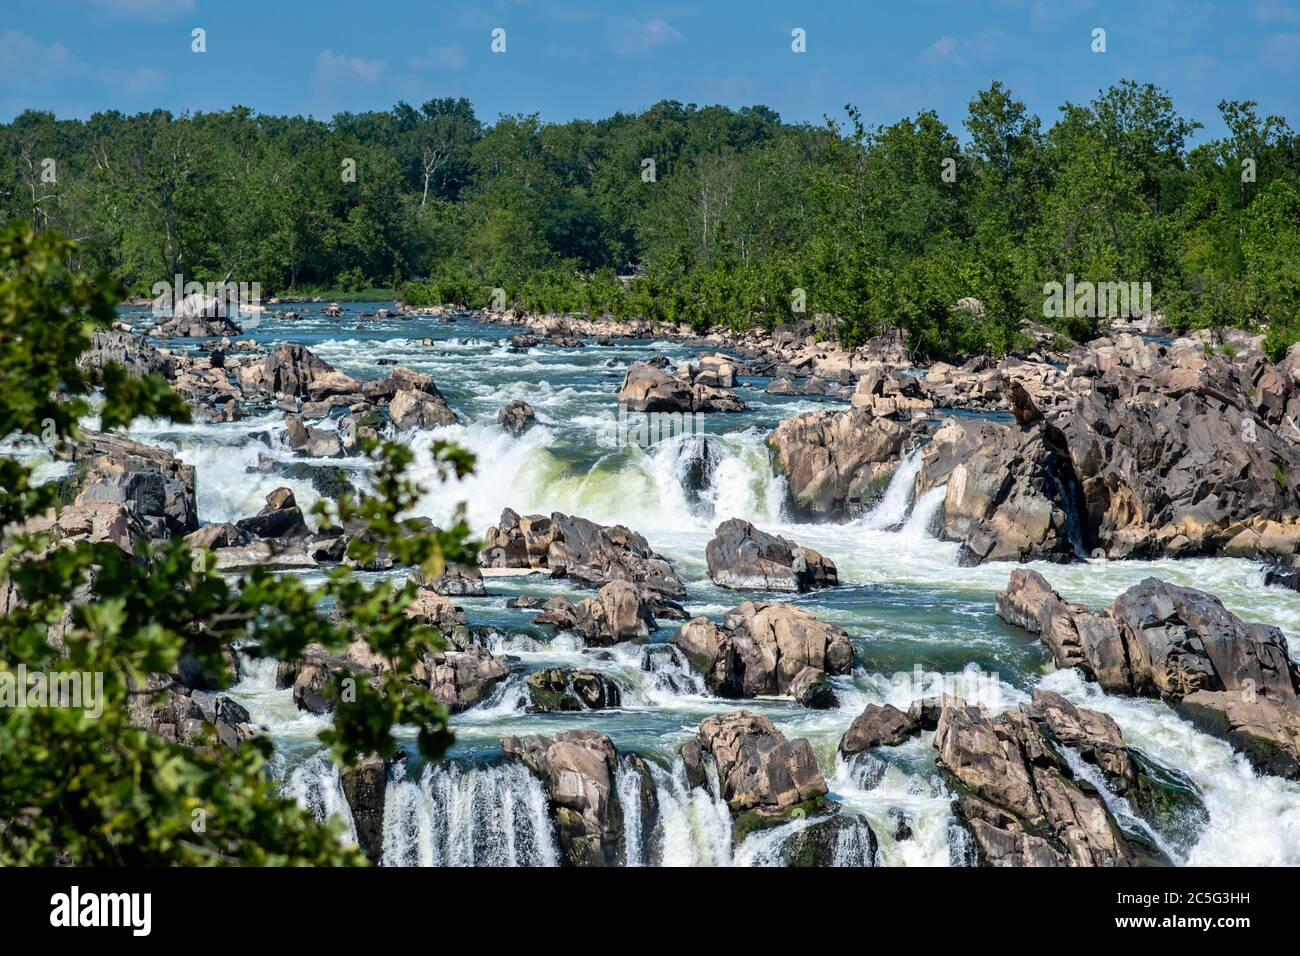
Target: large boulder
<point>517,417</point>
<point>156,486</point>
<point>761,649</point>
<point>764,778</point>
<point>879,726</point>
<point>281,518</point>
<point>577,548</point>
<point>579,770</point>
<point>1017,796</point>
<point>410,409</point>
<point>1011,493</point>
<point>1179,644</point>
<point>620,611</point>
<point>555,689</point>
<point>742,557</point>
<point>646,388</point>
<point>843,839</point>
<point>837,463</point>
<point>1176,445</point>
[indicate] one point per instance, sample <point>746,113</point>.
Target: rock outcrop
<point>1011,493</point>
<point>763,649</point>
<point>765,778</point>
<point>620,611</point>
<point>646,388</point>
<point>837,463</point>
<point>1159,640</point>
<point>744,558</point>
<point>152,483</point>
<point>580,549</point>
<point>578,770</point>
<point>1018,797</point>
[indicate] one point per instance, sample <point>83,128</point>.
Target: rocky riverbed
<point>850,611</point>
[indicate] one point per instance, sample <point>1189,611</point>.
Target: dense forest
<point>724,216</point>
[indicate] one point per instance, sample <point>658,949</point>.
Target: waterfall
<point>479,816</point>
<point>892,508</point>
<point>1118,806</point>
<point>694,823</point>
<point>925,514</point>
<point>627,784</point>
<point>318,788</point>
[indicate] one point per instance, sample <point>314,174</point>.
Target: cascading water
<point>481,816</point>
<point>904,599</point>
<point>317,787</point>
<point>896,502</point>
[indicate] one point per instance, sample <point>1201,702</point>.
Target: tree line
<point>720,216</point>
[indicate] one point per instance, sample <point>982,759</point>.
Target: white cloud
<point>138,82</point>
<point>1274,11</point>
<point>943,50</point>
<point>145,9</point>
<point>335,69</point>
<point>635,36</point>
<point>443,58</point>
<point>29,63</point>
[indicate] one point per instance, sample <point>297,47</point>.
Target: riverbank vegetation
<point>719,216</point>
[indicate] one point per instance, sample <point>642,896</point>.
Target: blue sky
<point>584,58</point>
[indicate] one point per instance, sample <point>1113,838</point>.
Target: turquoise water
<point>917,619</point>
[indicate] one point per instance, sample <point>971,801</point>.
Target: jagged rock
<point>311,442</point>
<point>411,409</point>
<point>517,417</point>
<point>1166,798</point>
<point>760,649</point>
<point>1176,445</point>
<point>765,778</point>
<point>742,557</point>
<point>1161,640</point>
<point>365,784</point>
<point>191,717</point>
<point>887,391</point>
<point>1017,796</point>
<point>837,463</point>
<point>1266,730</point>
<point>578,770</point>
<point>580,549</point>
<point>456,580</point>
<point>461,679</point>
<point>436,610</point>
<point>130,351</point>
<point>554,689</point>
<point>281,518</point>
<point>620,611</point>
<point>646,388</point>
<point>840,840</point>
<point>222,535</point>
<point>155,485</point>
<point>92,521</point>
<point>1011,492</point>
<point>878,726</point>
<point>811,688</point>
